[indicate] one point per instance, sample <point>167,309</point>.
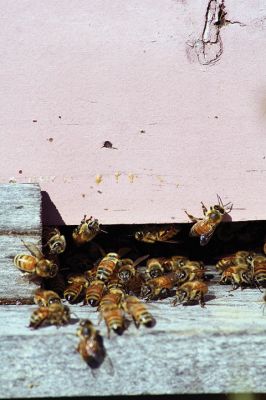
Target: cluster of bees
<point>120,287</point>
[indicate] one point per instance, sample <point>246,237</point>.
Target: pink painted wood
<point>186,117</point>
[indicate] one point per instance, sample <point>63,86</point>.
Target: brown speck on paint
<point>20,171</point>
<point>34,120</point>
<point>59,116</point>
<point>50,139</point>
<point>172,217</point>
<point>83,195</point>
<point>98,179</point>
<point>98,191</point>
<point>106,209</point>
<point>108,145</point>
<point>142,131</point>
<point>216,117</point>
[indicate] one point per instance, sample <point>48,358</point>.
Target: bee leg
<point>108,332</point>
<point>193,219</point>
<point>204,208</point>
<point>174,302</point>
<point>201,301</point>
<point>136,323</point>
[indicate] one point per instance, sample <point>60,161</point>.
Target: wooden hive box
<point>219,348</point>
<point>132,111</point>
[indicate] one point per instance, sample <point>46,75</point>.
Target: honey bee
<point>240,257</point>
<point>114,318</point>
<point>155,267</point>
<point>205,227</point>
<point>94,293</point>
<point>46,297</point>
<point>191,291</point>
<point>56,242</point>
<point>107,266</point>
<point>127,269</point>
<point>141,316</point>
<point>157,234</point>
<point>90,347</point>
<point>238,276</point>
<point>113,297</point>
<point>56,314</point>
<point>259,270</point>
<point>35,263</point>
<point>192,270</point>
<point>73,292</point>
<point>173,263</point>
<point>159,287</point>
<point>86,231</point>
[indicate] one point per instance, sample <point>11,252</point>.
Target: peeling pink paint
<point>97,71</point>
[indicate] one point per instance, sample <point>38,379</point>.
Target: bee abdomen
<point>72,293</point>
<point>25,262</point>
<point>105,270</point>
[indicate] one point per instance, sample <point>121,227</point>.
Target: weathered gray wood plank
<point>220,348</point>
<point>20,218</point>
<point>20,208</point>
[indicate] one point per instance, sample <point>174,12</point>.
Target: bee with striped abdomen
<point>74,290</point>
<point>127,269</point>
<point>191,291</point>
<point>173,263</point>
<point>56,314</point>
<point>94,293</point>
<point>141,316</point>
<point>35,263</point>
<point>192,270</point>
<point>113,317</point>
<point>107,266</point>
<point>157,234</point>
<point>259,270</point>
<point>239,276</point>
<point>86,231</point>
<point>160,287</point>
<point>240,257</point>
<point>55,241</point>
<point>205,227</point>
<point>154,267</point>
<point>46,297</point>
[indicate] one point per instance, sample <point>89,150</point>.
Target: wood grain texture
<point>20,218</point>
<point>220,348</point>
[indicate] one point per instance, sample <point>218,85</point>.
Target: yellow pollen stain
<point>160,178</point>
<point>117,175</point>
<point>131,177</point>
<point>98,179</point>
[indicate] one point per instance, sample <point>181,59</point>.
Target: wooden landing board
<point>218,349</point>
<point>20,218</point>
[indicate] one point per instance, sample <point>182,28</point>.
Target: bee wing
<point>123,251</point>
<point>167,241</point>
<point>33,249</point>
<point>107,366</point>
<point>140,259</point>
<point>204,239</point>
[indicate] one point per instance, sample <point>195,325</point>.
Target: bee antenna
<point>219,200</point>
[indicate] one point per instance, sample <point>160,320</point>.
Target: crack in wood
<point>20,233</point>
<point>209,48</point>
